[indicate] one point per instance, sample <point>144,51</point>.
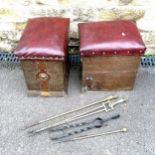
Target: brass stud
<point>123,34</point>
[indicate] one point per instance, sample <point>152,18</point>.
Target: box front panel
<point>109,81</point>
<point>43,76</point>
<point>109,73</point>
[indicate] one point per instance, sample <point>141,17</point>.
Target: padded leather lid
<point>110,38</point>
<point>44,38</point>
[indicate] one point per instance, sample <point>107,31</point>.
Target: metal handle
<point>94,135</point>
<point>111,105</point>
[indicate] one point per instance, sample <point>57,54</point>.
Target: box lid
<point>110,38</point>
<point>44,38</point>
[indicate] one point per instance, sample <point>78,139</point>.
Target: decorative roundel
<point>42,76</point>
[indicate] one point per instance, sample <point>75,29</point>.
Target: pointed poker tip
<point>61,141</point>
<point>56,141</point>
<point>30,126</point>
<point>31,133</point>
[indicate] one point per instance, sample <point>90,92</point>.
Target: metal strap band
<point>43,78</point>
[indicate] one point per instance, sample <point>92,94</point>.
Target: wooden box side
<point>109,73</point>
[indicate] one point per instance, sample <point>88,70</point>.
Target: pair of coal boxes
<point>110,54</point>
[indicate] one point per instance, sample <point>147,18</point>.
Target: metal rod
<point>110,104</point>
<point>75,110</point>
<point>76,118</point>
<point>87,112</point>
<point>93,135</point>
<point>82,116</point>
<point>62,122</point>
<point>95,112</point>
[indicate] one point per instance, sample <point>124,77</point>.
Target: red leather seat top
<point>109,38</point>
<point>44,38</point>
